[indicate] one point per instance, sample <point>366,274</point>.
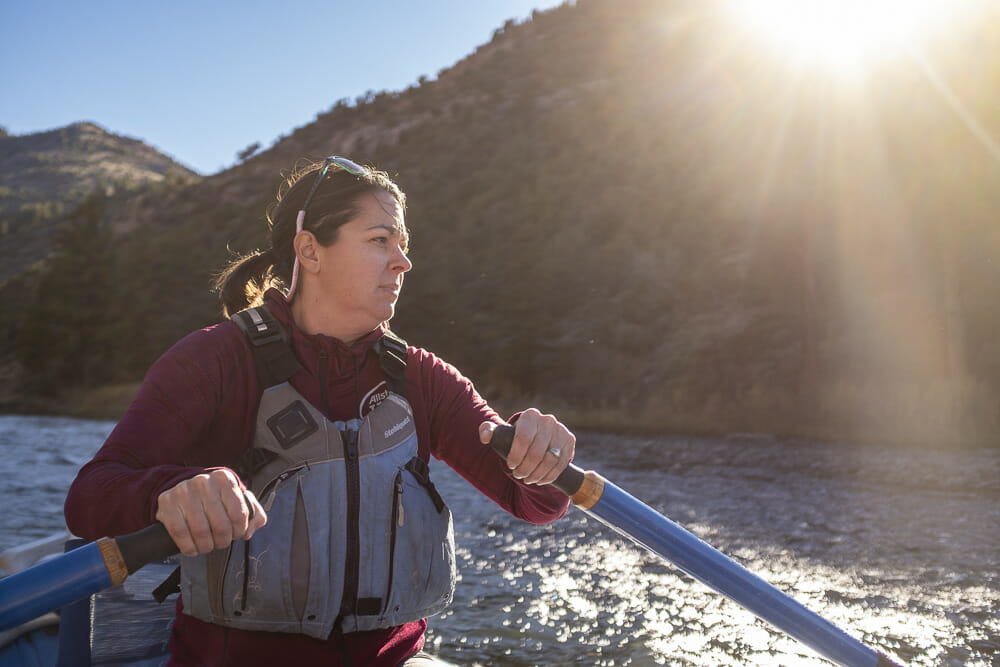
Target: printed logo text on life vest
<point>397,427</point>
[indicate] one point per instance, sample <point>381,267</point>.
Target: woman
<point>332,546</point>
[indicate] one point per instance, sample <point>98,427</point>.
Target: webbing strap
<point>422,473</point>
<point>345,653</point>
<point>391,350</point>
<point>268,341</point>
<point>169,586</point>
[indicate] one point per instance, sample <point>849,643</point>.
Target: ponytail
<point>243,282</point>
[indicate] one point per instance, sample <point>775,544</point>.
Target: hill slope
<point>44,175</point>
<point>631,209</point>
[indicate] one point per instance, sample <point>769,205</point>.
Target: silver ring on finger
<point>555,451</point>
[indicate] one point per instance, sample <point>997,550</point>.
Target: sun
<point>844,35</point>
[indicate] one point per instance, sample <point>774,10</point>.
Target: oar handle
<point>569,481</point>
<point>146,546</point>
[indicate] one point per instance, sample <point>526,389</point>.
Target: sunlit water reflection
<point>898,547</point>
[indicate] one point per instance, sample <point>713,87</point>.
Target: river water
<point>899,547</point>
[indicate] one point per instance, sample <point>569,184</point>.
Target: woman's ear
<point>307,250</point>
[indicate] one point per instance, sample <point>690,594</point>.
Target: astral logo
<point>379,393</point>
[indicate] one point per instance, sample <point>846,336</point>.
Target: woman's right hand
<point>208,512</point>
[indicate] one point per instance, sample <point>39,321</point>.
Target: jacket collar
<point>282,310</point>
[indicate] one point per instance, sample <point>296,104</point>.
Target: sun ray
<point>955,104</point>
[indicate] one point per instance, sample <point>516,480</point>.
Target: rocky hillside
<point>45,174</point>
<point>632,211</point>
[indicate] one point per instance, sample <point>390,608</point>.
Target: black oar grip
<point>146,546</point>
<point>569,480</point>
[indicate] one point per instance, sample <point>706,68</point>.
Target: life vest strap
<point>391,350</point>
<point>272,354</point>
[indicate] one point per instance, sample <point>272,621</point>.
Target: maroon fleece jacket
<point>195,412</point>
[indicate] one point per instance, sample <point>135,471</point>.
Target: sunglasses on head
<point>352,168</point>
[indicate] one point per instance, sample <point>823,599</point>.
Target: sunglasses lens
<point>347,165</point>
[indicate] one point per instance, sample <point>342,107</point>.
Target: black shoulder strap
<point>269,343</point>
<point>391,350</point>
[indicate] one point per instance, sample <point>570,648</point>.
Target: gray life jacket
<point>357,537</point>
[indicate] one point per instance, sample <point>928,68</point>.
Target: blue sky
<point>202,80</point>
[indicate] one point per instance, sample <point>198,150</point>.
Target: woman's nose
<point>401,262</point>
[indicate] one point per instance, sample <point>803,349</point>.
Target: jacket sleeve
<point>185,420</point>
<point>454,410</point>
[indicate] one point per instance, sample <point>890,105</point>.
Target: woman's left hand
<point>542,447</point>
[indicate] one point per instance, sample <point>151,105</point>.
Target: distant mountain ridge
<point>43,175</point>
<point>629,210</point>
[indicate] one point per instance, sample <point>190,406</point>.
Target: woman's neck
<point>313,319</point>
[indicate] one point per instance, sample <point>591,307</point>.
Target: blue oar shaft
<point>79,573</point>
<point>634,519</point>
<point>648,528</point>
<point>51,585</point>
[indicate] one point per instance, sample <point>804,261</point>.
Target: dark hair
<point>245,279</point>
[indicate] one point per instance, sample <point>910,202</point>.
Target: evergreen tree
<point>64,325</point>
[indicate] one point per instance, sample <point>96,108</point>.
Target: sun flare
<point>843,35</point>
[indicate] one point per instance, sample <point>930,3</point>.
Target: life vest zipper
<point>272,486</point>
<point>352,474</point>
<point>353,542</point>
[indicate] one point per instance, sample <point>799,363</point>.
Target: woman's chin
<point>385,314</point>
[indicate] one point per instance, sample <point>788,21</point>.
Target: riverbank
<point>105,403</point>
<point>938,414</point>
<point>942,414</point>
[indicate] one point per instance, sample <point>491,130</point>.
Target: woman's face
<point>361,274</point>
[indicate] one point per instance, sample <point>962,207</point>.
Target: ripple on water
<point>854,533</point>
